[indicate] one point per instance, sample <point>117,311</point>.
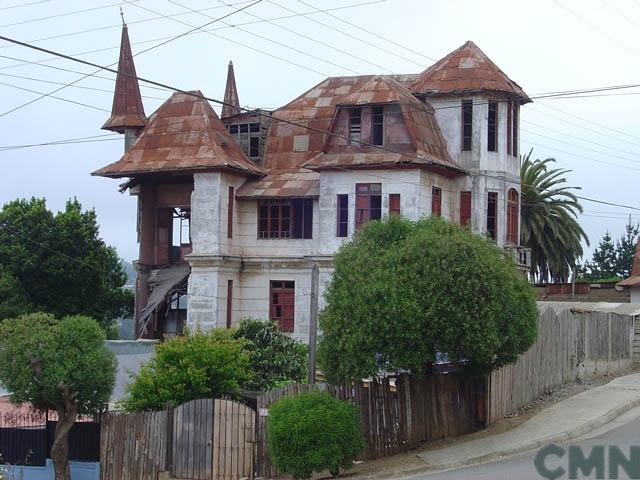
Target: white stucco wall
<point>635,295</point>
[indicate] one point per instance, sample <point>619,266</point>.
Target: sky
<point>544,45</point>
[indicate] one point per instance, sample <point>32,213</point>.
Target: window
<point>509,128</point>
<point>512,216</point>
<point>394,204</point>
<point>492,215</point>
<point>342,215</point>
<point>355,126</point>
<point>465,209</point>
<point>492,130</point>
<point>368,203</point>
<point>514,128</point>
<point>229,301</point>
<point>230,213</point>
<point>377,125</point>
<point>282,303</point>
<point>467,124</point>
<point>248,137</point>
<point>436,201</point>
<point>285,218</point>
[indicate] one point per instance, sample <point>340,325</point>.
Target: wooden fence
<point>570,346</point>
<point>202,439</point>
<point>397,413</point>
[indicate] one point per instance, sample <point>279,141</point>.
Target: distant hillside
<point>131,273</point>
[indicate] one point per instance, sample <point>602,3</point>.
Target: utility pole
<point>313,323</point>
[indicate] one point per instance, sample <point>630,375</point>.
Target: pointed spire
<point>127,110</point>
<point>231,105</point>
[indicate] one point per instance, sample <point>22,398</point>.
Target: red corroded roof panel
<point>466,70</point>
<point>299,183</point>
<point>183,134</point>
<point>127,110</point>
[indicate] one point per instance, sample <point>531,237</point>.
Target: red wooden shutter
<point>465,209</point>
<point>164,236</point>
<point>512,216</point>
<point>362,210</point>
<point>282,304</point>
<point>436,201</point>
<point>342,215</point>
<point>394,204</point>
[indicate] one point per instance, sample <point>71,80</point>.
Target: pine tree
<point>625,249</point>
<point>604,263</point>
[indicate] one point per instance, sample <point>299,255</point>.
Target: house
<point>234,211</point>
<point>632,284</point>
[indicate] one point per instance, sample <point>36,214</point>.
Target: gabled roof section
<point>231,105</point>
<point>127,110</point>
<point>184,134</point>
<point>427,145</point>
<point>466,70</point>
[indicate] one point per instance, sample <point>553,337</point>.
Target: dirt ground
<point>406,462</point>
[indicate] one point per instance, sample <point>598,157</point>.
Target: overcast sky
<point>540,44</point>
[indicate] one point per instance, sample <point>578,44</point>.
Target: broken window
<point>465,209</point>
<point>248,137</point>
<point>377,125</point>
<point>355,126</point>
<point>436,202</point>
<point>285,218</point>
<point>492,215</point>
<point>176,314</point>
<point>394,204</point>
<point>181,241</point>
<point>512,216</point>
<point>492,127</point>
<point>282,304</point>
<point>467,124</point>
<point>343,215</point>
<point>368,203</point>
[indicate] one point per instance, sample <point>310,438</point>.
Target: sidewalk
<point>567,419</point>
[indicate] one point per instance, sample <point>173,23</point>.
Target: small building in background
<point>632,284</point>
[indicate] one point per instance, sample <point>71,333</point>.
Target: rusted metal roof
<point>127,110</point>
<point>184,134</point>
<point>466,70</point>
<point>231,105</point>
<point>299,183</point>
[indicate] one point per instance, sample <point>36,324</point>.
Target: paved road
<point>623,432</point>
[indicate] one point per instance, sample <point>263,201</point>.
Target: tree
<point>197,365</point>
<point>60,262</point>
<point>275,358</point>
<point>60,365</point>
<point>549,225</point>
<point>626,249</point>
<point>313,432</point>
<point>404,292</point>
<point>14,300</point>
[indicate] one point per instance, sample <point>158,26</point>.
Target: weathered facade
<point>235,211</point>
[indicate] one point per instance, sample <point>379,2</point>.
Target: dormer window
<point>248,137</point>
<point>355,126</point>
<point>377,125</point>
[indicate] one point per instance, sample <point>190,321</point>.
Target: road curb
<point>557,438</point>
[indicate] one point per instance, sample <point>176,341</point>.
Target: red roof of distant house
<point>466,70</point>
<point>184,134</point>
<point>634,279</point>
<point>127,110</point>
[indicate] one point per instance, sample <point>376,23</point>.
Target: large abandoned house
<point>234,211</point>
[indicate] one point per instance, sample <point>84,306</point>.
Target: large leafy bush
<point>404,291</point>
<point>313,432</point>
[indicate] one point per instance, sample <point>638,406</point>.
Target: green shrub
<point>275,358</point>
<point>313,432</point>
<point>199,365</point>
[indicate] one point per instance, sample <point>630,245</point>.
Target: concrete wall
<point>79,471</point>
<point>635,295</point>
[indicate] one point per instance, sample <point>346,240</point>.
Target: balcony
<point>521,256</point>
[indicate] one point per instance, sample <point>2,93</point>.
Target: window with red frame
<point>465,209</point>
<point>512,216</point>
<point>368,203</point>
<point>436,201</point>
<point>492,215</point>
<point>285,218</point>
<point>282,304</point>
<point>342,215</point>
<point>394,204</point>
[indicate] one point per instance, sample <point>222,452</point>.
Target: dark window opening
<point>492,215</point>
<point>368,203</point>
<point>343,215</point>
<point>509,128</point>
<point>229,302</point>
<point>465,209</point>
<point>492,131</point>
<point>230,213</point>
<point>512,216</point>
<point>248,137</point>
<point>176,315</point>
<point>377,125</point>
<point>180,243</point>
<point>355,126</point>
<point>436,201</point>
<point>285,218</point>
<point>254,147</point>
<point>282,304</point>
<point>394,204</point>
<point>514,127</point>
<point>467,124</point>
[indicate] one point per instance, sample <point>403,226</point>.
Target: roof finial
<point>231,104</point>
<point>124,24</point>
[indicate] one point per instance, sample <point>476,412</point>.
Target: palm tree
<point>549,220</point>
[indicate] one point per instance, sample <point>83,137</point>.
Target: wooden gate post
<point>169,461</point>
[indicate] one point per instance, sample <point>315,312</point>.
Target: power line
<point>24,5</point>
<point>58,15</point>
<point>626,17</point>
<point>48,94</point>
<point>53,96</point>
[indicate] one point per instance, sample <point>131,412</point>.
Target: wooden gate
<point>213,440</point>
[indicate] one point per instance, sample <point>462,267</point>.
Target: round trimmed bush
<point>313,432</point>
